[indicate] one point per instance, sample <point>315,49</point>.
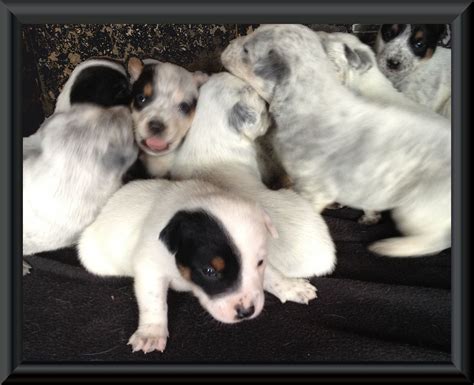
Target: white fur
<point>226,156</point>
<point>124,241</point>
<point>426,81</point>
<point>339,147</point>
<point>71,166</point>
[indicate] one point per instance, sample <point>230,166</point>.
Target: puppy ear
<point>358,59</point>
<point>200,78</point>
<point>269,225</point>
<point>135,68</point>
<point>272,67</point>
<point>171,234</point>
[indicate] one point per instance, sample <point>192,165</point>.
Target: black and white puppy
<point>164,98</point>
<point>188,236</point>
<point>407,54</point>
<point>76,159</point>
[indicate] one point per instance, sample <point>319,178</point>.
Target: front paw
<point>370,218</point>
<point>148,338</point>
<point>293,289</point>
<point>26,268</point>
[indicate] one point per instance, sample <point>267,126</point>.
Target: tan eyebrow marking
<point>218,263</point>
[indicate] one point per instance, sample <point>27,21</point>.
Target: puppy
<point>357,69</point>
<point>188,236</point>
<point>340,147</point>
<point>407,54</point>
<point>164,97</point>
<point>220,149</point>
<point>75,161</point>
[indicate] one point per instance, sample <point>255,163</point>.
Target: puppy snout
<point>393,64</point>
<point>243,312</point>
<point>156,127</point>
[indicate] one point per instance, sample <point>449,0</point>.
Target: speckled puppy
<point>407,54</point>
<point>164,97</point>
<point>76,159</point>
<point>338,147</point>
<point>356,67</point>
<point>188,236</point>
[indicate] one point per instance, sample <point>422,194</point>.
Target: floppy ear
<point>200,78</point>
<point>272,67</point>
<point>171,234</point>
<point>135,68</point>
<point>358,59</point>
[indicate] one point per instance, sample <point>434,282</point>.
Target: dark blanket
<point>370,309</point>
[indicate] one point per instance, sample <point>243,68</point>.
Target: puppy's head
<point>269,56</point>
<point>164,97</point>
<point>235,107</point>
<point>221,251</point>
<point>401,48</point>
<point>351,58</point>
<point>100,82</point>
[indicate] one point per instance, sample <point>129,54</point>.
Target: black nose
<point>243,313</point>
<point>156,127</point>
<point>393,64</point>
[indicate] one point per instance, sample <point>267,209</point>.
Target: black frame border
<point>14,13</point>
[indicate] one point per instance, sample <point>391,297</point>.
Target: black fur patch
<point>424,37</point>
<point>196,238</point>
<point>272,67</point>
<point>391,31</point>
<point>241,114</point>
<point>101,85</point>
<point>145,78</point>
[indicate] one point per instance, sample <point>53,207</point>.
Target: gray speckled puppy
<point>339,147</point>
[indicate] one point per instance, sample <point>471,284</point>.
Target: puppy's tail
<point>411,246</point>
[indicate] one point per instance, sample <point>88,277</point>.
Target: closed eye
<point>260,263</point>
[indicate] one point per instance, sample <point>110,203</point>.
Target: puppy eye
<point>140,99</point>
<point>246,51</point>
<point>260,263</point>
<point>419,44</point>
<point>210,272</point>
<point>185,108</point>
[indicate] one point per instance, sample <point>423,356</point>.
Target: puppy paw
<point>334,206</point>
<point>295,290</point>
<point>370,218</point>
<point>26,268</point>
<point>149,338</point>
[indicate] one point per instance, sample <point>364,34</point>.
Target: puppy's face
<point>163,101</point>
<point>223,258</point>
<point>401,48</point>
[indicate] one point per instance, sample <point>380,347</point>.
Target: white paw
<point>370,218</point>
<point>295,290</point>
<point>334,206</point>
<point>149,338</point>
<point>26,268</point>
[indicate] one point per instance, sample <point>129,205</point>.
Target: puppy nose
<point>243,312</point>
<point>393,64</point>
<point>156,126</point>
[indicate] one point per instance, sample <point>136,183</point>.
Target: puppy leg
<point>151,292</point>
<point>370,217</point>
<point>288,289</point>
<point>318,197</point>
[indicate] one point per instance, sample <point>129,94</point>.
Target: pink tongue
<point>156,144</point>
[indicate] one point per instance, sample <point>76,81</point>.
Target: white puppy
<point>340,147</point>
<point>407,54</point>
<point>188,236</point>
<point>164,97</point>
<point>220,148</point>
<point>76,159</point>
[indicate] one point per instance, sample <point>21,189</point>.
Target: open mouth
<point>155,144</point>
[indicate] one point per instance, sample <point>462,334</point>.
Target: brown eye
<point>140,99</point>
<point>260,263</point>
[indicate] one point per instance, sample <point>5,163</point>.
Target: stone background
<point>51,51</point>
